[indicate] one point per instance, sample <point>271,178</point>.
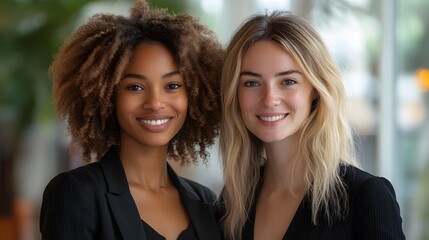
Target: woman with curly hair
<point>136,92</point>
<point>288,157</point>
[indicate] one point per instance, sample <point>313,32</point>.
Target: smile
<point>272,118</point>
<point>155,122</point>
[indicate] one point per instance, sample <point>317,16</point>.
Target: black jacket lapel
<point>200,212</point>
<point>120,199</point>
<point>201,215</point>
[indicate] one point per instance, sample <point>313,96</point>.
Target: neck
<point>145,166</point>
<point>284,171</point>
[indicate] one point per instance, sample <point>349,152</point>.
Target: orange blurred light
<point>423,79</point>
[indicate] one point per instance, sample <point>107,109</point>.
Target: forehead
<point>267,56</point>
<point>147,56</point>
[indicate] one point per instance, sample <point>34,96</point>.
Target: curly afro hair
<point>91,63</point>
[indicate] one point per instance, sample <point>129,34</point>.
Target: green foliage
<point>173,6</point>
<point>31,32</point>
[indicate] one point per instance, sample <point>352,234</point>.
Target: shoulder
<point>197,191</point>
<point>68,200</point>
<point>358,181</point>
<point>76,180</point>
<point>373,205</point>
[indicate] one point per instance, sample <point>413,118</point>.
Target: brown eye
<point>135,88</point>
<point>173,86</point>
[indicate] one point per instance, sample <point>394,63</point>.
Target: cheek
<point>181,103</point>
<point>124,104</point>
<point>121,111</point>
<point>119,105</point>
<point>301,101</point>
<point>246,103</point>
<point>245,100</point>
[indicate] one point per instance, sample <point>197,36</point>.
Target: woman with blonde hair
<point>287,151</point>
<point>136,92</point>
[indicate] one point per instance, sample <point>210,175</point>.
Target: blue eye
<point>251,84</point>
<point>173,86</point>
<point>288,82</point>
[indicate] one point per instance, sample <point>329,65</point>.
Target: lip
<point>154,117</point>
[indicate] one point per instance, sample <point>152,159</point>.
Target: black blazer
<point>94,202</point>
<point>373,213</point>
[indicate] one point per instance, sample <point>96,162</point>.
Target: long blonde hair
<point>326,139</point>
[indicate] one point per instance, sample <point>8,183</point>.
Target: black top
<point>373,213</point>
<point>152,234</point>
<point>95,202</point>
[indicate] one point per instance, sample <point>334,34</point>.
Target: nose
<point>271,96</point>
<point>154,100</point>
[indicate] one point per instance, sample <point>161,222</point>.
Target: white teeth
<point>155,122</point>
<point>272,118</point>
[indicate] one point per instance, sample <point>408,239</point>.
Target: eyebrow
<point>288,72</point>
<point>142,77</point>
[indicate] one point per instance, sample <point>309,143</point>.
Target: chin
<point>271,139</point>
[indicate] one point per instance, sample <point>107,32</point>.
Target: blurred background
<point>381,46</point>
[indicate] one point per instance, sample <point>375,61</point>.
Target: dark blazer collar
<point>200,212</point>
<point>184,188</point>
<point>114,172</point>
<point>126,213</point>
<point>119,197</point>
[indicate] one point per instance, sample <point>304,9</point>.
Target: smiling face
<point>151,102</point>
<point>274,96</point>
